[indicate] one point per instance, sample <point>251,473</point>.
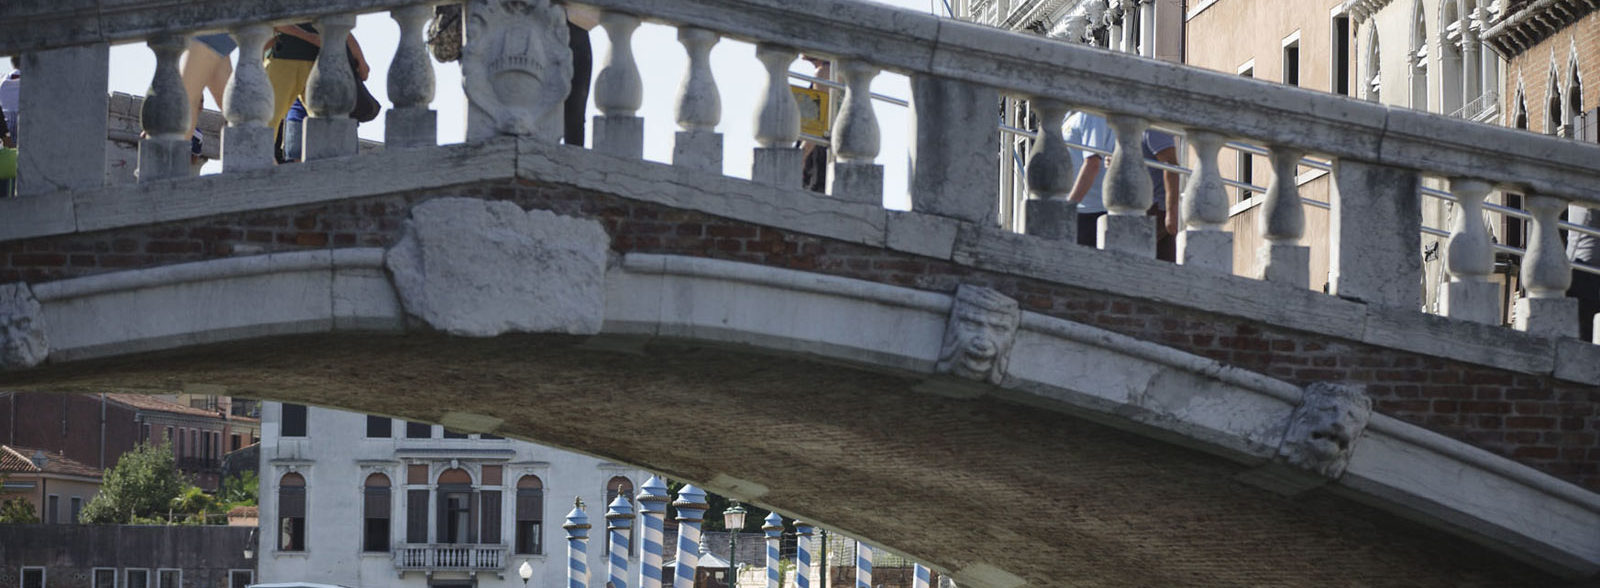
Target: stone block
<point>953,170</point>
<point>23,343</point>
<point>1375,225</point>
<point>63,135</point>
<point>778,166</point>
<point>1547,317</point>
<point>857,182</point>
<point>921,234</point>
<point>1478,302</point>
<point>329,137</point>
<point>163,159</point>
<point>1056,220</point>
<point>410,127</point>
<point>1209,249</point>
<point>1282,263</point>
<point>1132,233</point>
<point>247,147</point>
<point>698,150</point>
<point>622,136</point>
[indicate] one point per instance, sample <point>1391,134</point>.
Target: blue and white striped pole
<point>577,527</point>
<point>863,565</point>
<point>923,576</point>
<point>774,530</point>
<point>619,520</point>
<point>692,506</point>
<point>653,500</point>
<point>802,555</point>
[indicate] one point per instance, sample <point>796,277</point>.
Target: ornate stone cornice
<point>1359,10</point>
<point>1526,23</point>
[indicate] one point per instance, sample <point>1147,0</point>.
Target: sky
<point>662,63</point>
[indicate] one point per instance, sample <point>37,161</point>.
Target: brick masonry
<point>1547,424</point>
<point>1531,71</point>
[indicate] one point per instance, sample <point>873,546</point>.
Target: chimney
<point>40,459</point>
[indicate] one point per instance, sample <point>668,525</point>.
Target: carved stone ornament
<point>480,268</point>
<point>1323,430</point>
<point>22,340</point>
<point>978,338</point>
<point>516,68</point>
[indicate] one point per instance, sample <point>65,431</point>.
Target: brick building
<point>57,487</point>
<point>1550,49</point>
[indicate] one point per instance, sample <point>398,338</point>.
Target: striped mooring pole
<point>653,500</point>
<point>863,565</point>
<point>691,504</point>
<point>577,527</point>
<point>802,555</point>
<point>922,576</point>
<point>774,530</point>
<point>619,520</point>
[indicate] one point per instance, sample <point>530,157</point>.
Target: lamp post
<point>525,571</point>
<point>733,521</point>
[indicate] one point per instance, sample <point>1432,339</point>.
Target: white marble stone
<point>329,137</point>
<point>856,181</point>
<point>1323,430</point>
<point>1209,249</point>
<point>1547,317</point>
<point>698,149</point>
<point>64,131</point>
<point>1375,226</point>
<point>619,135</point>
<point>515,68</point>
<point>778,166</point>
<point>410,126</point>
<point>952,162</point>
<point>777,121</point>
<point>1134,234</point>
<point>482,268</point>
<point>23,343</point>
<point>1053,219</point>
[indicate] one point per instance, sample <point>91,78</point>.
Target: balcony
<point>199,464</point>
<point>450,557</point>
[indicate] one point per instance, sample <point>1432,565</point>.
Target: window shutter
<point>291,502</point>
<point>472,518</point>
<point>416,516</point>
<point>530,504</point>
<point>491,517</point>
<point>377,506</point>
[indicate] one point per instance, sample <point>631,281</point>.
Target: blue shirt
<point>1091,130</point>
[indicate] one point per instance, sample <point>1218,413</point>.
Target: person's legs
<point>219,81</point>
<point>577,106</point>
<point>197,67</point>
<point>288,77</point>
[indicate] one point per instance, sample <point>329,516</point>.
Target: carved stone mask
<point>979,336</point>
<point>1323,430</point>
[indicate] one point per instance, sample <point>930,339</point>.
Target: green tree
<point>239,490</point>
<point>141,486</point>
<point>18,511</point>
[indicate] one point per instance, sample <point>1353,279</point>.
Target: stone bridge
<point>1010,407</point>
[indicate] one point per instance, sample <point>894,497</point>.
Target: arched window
<point>621,485</point>
<point>292,512</point>
<point>530,515</point>
<point>1573,97</point>
<point>375,507</point>
<point>1419,58</point>
<point>1553,106</point>
<point>1519,116</point>
<point>1374,77</point>
<point>1452,66</point>
<point>457,508</point>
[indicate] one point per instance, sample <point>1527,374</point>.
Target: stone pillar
<point>653,512</point>
<point>618,92</point>
<point>1147,28</point>
<point>802,555</point>
<point>953,167</point>
<point>1375,226</point>
<point>619,521</point>
<point>247,141</point>
<point>856,138</point>
<point>698,145</point>
<point>331,94</point>
<point>863,565</point>
<point>1283,221</point>
<point>1546,275</point>
<point>774,533</point>
<point>777,161</point>
<point>1469,257</point>
<point>1127,227</point>
<point>65,132</point>
<point>164,151</point>
<point>577,526</point>
<point>691,505</point>
<point>921,576</point>
<point>1203,242</point>
<point>410,123</point>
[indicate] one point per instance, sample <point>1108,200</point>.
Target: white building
<point>357,500</point>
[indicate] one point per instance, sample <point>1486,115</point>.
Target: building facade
<point>362,500</point>
<point>96,429</point>
<point>57,487</point>
<point>126,556</point>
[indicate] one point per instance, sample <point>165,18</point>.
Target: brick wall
<point>1532,69</point>
<point>1538,421</point>
<point>68,423</point>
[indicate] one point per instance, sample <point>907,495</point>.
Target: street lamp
<point>733,521</point>
<point>525,571</point>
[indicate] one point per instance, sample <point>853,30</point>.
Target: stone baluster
<point>577,526</point>
<point>410,123</point>
<point>1546,274</point>
<point>953,166</point>
<point>619,522</point>
<point>1469,257</point>
<point>1049,177</point>
<point>921,576</point>
<point>802,554</point>
<point>1283,221</point>
<point>164,151</point>
<point>777,160</point>
<point>698,145</point>
<point>856,137</point>
<point>1203,242</point>
<point>247,141</point>
<point>773,528</point>
<point>618,92</point>
<point>65,134</point>
<point>1127,191</point>
<point>653,512</point>
<point>1375,228</point>
<point>331,94</point>
<point>691,505</point>
<point>864,554</point>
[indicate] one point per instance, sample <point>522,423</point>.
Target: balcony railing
<point>199,464</point>
<point>1481,109</point>
<point>450,557</point>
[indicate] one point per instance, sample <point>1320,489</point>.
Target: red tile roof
<point>20,460</point>
<point>142,402</point>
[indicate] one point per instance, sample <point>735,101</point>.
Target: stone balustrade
<point>1378,154</point>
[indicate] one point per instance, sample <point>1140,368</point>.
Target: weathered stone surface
<point>777,166</point>
<point>1547,317</point>
<point>856,181</point>
<point>515,68</point>
<point>1376,223</point>
<point>1323,430</point>
<point>978,338</point>
<point>1209,249</point>
<point>699,150</point>
<point>1053,219</point>
<point>22,339</point>
<point>619,135</point>
<point>64,132</point>
<point>1133,234</point>
<point>953,170</point>
<point>475,268</point>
